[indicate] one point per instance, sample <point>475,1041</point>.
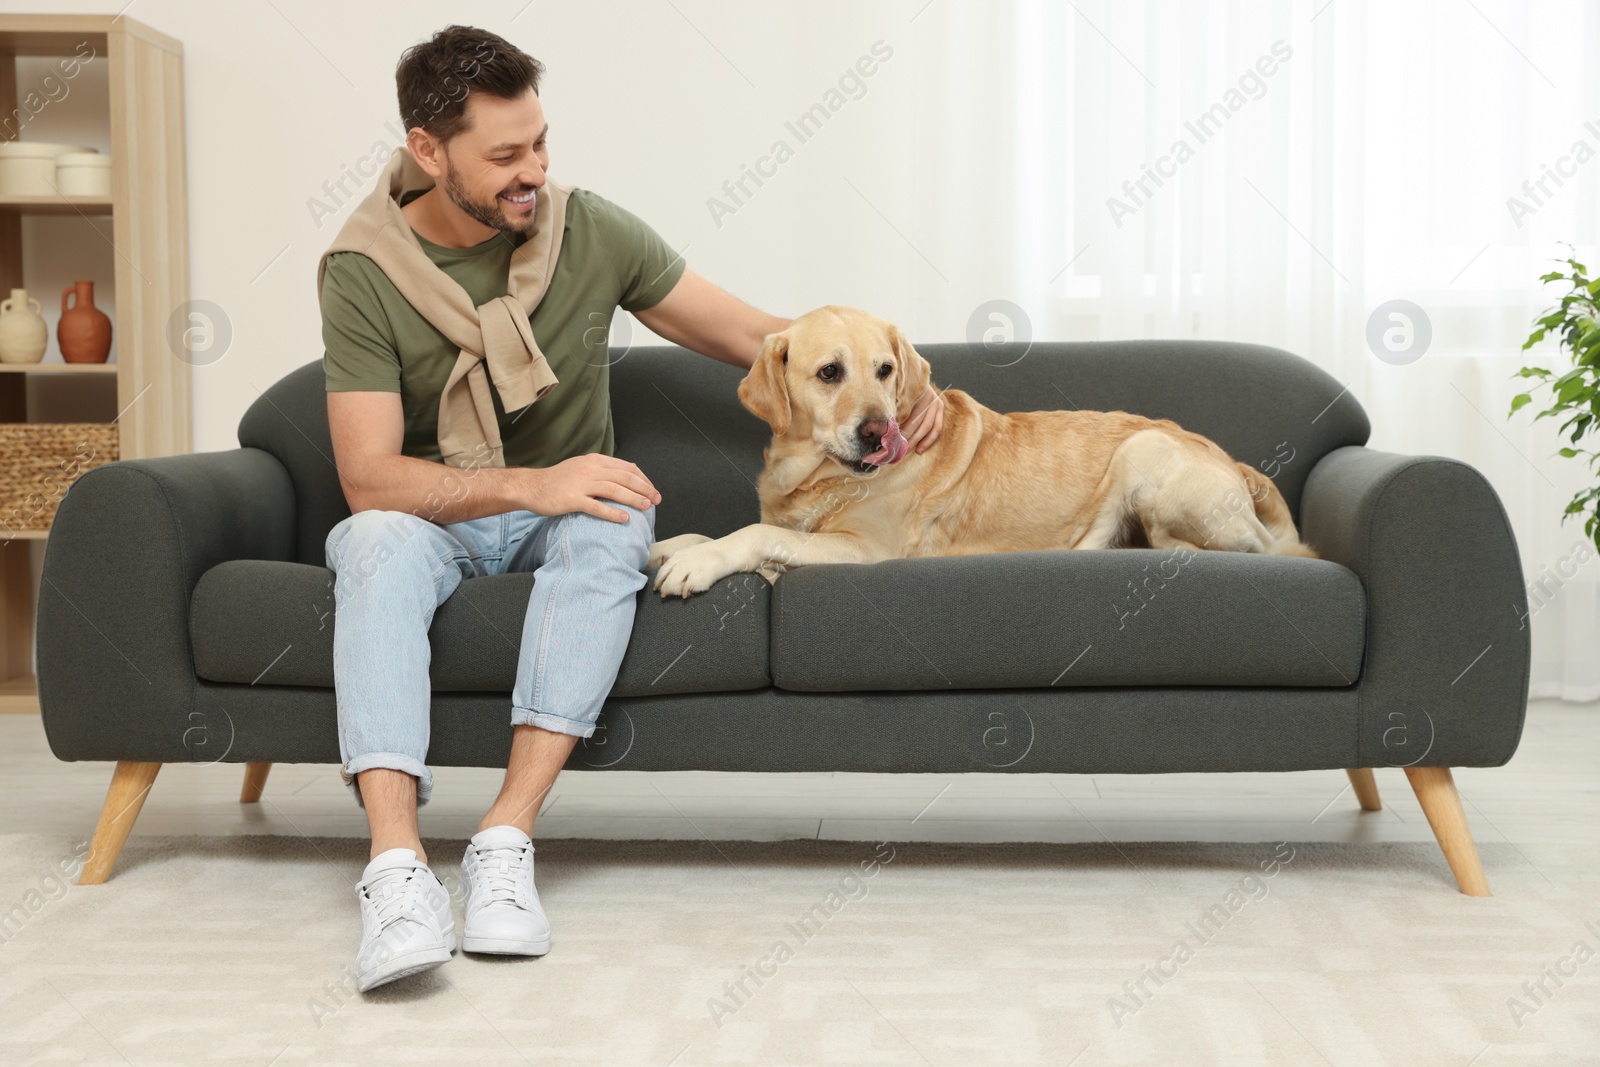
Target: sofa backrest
<point>677,415</point>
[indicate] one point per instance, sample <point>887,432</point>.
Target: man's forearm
<point>739,343</point>
<point>436,492</point>
<point>763,326</point>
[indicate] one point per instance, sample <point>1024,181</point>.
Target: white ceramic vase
<point>23,334</point>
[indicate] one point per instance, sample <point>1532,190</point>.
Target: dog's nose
<point>871,432</point>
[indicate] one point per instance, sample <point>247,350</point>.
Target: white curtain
<point>1365,153</point>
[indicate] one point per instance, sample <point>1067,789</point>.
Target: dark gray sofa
<point>186,614</point>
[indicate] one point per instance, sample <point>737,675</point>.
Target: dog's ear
<point>913,370</point>
<point>763,392</point>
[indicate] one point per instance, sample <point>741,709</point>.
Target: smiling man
<point>464,310</point>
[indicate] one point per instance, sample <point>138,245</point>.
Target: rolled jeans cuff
<point>394,761</point>
<point>545,721</point>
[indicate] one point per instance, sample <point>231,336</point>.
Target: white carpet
<point>236,950</point>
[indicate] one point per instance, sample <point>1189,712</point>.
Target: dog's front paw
<point>661,550</point>
<point>693,569</point>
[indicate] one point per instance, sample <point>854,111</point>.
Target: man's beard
<point>490,214</point>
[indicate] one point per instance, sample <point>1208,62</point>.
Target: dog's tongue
<point>891,448</point>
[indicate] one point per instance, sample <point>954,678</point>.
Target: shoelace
<point>391,898</point>
<point>502,867</point>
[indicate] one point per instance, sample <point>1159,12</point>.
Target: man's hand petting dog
<point>926,419</point>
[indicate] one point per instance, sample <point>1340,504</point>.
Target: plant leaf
<point>1572,390</point>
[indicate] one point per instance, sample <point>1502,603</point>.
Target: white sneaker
<point>503,911</point>
<point>406,925</point>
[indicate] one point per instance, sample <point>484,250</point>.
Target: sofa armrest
<point>129,543</point>
<point>1445,677</point>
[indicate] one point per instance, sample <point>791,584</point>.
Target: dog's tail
<point>1273,511</point>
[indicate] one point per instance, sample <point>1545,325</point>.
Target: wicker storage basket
<point>40,460</point>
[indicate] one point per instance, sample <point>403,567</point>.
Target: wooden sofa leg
<point>255,780</point>
<point>130,784</point>
<point>1436,792</point>
<point>1366,788</point>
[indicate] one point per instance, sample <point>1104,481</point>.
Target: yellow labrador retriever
<point>840,486</point>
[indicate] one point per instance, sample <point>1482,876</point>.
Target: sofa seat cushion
<point>260,621</point>
<point>1113,617</point>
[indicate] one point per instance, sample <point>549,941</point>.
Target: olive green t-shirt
<point>377,341</point>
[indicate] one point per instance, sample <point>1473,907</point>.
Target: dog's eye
<point>885,370</point>
<point>829,373</point>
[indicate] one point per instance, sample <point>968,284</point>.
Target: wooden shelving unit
<point>149,211</point>
<point>58,368</point>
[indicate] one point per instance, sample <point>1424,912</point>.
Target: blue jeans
<point>393,569</point>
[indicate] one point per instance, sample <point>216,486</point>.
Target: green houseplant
<point>1575,392</point>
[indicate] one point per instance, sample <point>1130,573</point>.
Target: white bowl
<point>28,168</point>
<point>83,174</point>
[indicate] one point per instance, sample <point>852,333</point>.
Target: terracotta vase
<point>84,332</point>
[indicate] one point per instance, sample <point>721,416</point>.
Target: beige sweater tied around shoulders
<point>496,333</point>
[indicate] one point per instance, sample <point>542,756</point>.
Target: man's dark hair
<point>434,78</point>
